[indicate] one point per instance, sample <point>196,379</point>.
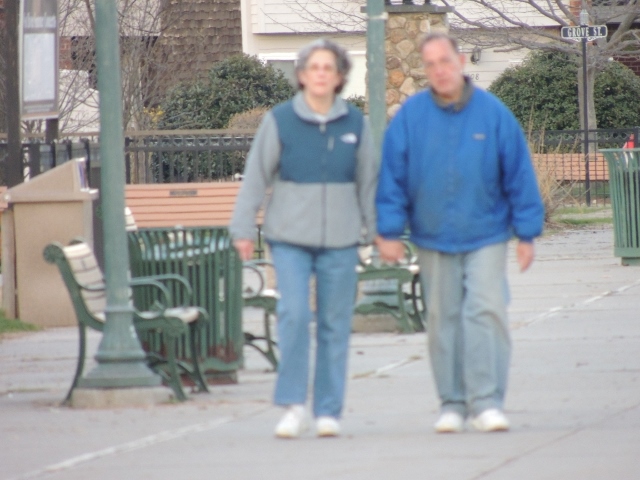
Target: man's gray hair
<point>430,37</point>
<point>343,64</point>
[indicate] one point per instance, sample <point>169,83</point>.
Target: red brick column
<point>65,61</point>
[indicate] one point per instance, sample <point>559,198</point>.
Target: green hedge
<point>542,92</point>
<point>236,84</point>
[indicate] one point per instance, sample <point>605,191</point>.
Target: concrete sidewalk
<point>574,399</point>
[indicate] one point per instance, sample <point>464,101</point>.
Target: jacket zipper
<point>329,148</point>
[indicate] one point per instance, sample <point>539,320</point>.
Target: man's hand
<point>525,254</point>
<point>391,251</point>
<point>244,248</point>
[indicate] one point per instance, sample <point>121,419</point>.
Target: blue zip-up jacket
<point>321,173</point>
<point>459,176</point>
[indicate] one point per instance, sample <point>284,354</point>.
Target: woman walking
<point>315,154</point>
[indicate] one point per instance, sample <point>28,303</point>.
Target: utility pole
<point>585,33</point>
<point>376,18</point>
<point>584,21</point>
<point>13,165</point>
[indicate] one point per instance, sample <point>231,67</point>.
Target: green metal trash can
<point>206,258</point>
<point>624,190</point>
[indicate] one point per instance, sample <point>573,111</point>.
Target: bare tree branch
<point>508,25</point>
<point>535,24</point>
<point>325,16</point>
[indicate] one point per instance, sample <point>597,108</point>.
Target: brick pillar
<point>575,6</point>
<point>65,61</point>
<point>406,26</point>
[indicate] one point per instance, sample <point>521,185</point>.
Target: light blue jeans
<point>467,331</point>
<point>336,279</point>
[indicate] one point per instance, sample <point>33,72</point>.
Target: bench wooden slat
<point>178,208</point>
<point>185,204</point>
<point>87,272</point>
<point>188,215</point>
<point>198,202</point>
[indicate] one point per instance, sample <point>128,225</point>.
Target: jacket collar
<point>300,107</point>
<point>467,91</point>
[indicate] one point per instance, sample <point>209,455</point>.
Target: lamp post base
<point>83,397</point>
<point>120,375</point>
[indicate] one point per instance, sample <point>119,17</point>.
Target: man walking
<point>456,170</point>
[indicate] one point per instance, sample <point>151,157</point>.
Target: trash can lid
<point>66,182</point>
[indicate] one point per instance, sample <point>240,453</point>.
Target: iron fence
<point>150,157</point>
<point>219,155</point>
<point>186,156</point>
<point>38,156</point>
<point>578,178</point>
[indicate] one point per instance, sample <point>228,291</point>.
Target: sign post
<point>585,33</point>
<point>13,171</point>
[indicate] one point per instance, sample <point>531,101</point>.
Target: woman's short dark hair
<point>343,64</point>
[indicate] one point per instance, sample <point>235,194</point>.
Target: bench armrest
<point>160,282</point>
<point>253,277</point>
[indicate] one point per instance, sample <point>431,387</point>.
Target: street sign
<point>39,59</point>
<point>581,32</point>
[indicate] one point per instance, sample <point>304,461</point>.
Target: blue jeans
<point>468,336</point>
<point>336,280</point>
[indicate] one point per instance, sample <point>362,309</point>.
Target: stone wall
<point>405,28</point>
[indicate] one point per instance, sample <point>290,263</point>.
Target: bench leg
<point>268,352</point>
<point>419,321</point>
<point>174,374</point>
<point>271,353</point>
<point>197,372</point>
<point>406,324</point>
<point>82,338</point>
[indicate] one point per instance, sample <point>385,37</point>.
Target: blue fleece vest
<point>318,153</point>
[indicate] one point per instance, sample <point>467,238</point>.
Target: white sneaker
<point>449,422</point>
<point>293,422</point>
<point>327,427</point>
<point>491,420</point>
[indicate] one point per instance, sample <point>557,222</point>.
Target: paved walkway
<point>574,400</point>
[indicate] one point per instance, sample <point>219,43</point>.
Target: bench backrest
<point>86,272</point>
<point>185,204</point>
<point>79,268</point>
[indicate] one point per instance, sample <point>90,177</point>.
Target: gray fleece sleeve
<point>259,172</point>
<point>367,181</point>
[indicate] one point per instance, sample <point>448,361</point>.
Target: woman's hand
<point>391,251</point>
<point>244,248</point>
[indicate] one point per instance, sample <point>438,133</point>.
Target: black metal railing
<point>219,155</point>
<point>186,156</point>
<point>150,157</point>
<point>38,156</point>
<point>581,178</point>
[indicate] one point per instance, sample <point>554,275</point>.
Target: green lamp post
<point>376,18</point>
<point>120,358</point>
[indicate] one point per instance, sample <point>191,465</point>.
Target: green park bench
<point>392,289</point>
<point>169,320</point>
<point>256,293</point>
